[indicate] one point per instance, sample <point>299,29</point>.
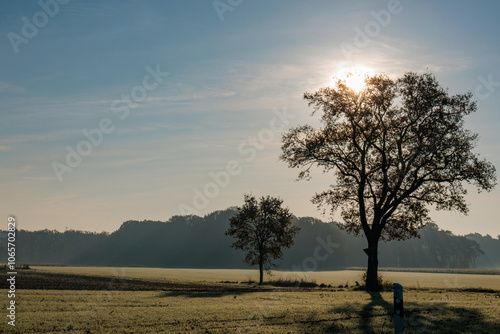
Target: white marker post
<point>398,309</point>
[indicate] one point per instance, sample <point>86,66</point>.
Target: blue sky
<point>232,68</point>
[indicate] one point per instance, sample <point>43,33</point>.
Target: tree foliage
<point>262,229</point>
<point>395,148</point>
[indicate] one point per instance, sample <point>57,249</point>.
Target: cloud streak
<point>7,88</point>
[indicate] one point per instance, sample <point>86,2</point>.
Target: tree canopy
<point>395,148</point>
<point>262,228</point>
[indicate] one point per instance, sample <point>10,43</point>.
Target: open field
<point>143,300</point>
<point>335,278</point>
<point>437,270</point>
<point>53,311</point>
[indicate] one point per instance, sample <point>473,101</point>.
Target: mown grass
<point>70,303</point>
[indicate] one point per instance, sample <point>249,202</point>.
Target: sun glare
<point>353,77</point>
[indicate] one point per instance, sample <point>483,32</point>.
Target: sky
<point>130,110</point>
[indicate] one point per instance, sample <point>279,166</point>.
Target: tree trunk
<point>261,272</point>
<point>372,271</point>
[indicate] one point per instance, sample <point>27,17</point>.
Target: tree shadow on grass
<point>363,317</point>
<point>377,307</point>
<point>443,318</point>
<point>376,316</point>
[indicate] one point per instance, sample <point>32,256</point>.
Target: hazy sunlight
<point>353,76</point>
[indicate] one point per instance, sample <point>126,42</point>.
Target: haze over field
<point>161,145</point>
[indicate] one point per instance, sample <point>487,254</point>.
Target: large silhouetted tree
<point>263,229</point>
<point>395,148</point>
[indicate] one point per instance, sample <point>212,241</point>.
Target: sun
<point>353,77</point>
<point>355,81</point>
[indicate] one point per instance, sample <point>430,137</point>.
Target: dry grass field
<point>438,280</point>
<point>141,300</point>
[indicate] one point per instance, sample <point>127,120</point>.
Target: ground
<point>139,300</point>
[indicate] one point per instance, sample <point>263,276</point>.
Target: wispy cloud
<point>47,77</point>
<point>60,199</point>
<point>39,178</point>
<point>87,9</point>
<point>5,148</point>
<point>395,56</point>
<point>7,88</point>
<point>34,138</point>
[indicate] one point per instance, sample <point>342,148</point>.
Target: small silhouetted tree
<point>395,147</point>
<point>262,228</point>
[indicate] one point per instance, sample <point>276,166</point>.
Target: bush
<point>382,284</point>
<point>294,283</point>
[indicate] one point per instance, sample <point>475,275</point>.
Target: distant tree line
<point>200,242</point>
<point>51,247</point>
